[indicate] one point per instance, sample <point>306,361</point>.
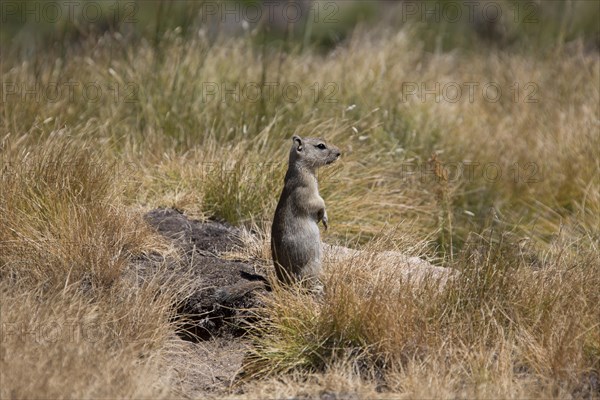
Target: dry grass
<point>502,329</point>
<point>74,323</point>
<point>521,321</point>
<point>59,342</point>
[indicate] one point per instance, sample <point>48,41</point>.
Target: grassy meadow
<point>483,159</point>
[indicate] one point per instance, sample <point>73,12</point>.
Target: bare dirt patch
<point>207,367</point>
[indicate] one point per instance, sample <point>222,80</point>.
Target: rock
<point>410,269</point>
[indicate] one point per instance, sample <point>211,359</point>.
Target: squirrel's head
<point>312,153</point>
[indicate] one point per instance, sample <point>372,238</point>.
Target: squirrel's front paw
<point>325,220</point>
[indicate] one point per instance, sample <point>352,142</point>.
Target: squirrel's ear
<point>297,142</point>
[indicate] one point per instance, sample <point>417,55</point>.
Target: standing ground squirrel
<point>295,237</point>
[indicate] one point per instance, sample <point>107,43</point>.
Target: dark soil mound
<point>225,289</point>
<point>191,235</point>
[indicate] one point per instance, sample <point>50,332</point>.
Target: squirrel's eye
<point>321,146</point>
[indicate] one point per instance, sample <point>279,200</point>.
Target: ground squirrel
<point>295,237</point>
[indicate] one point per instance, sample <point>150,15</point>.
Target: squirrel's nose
<point>338,153</point>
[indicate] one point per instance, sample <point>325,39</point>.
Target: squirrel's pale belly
<point>299,245</point>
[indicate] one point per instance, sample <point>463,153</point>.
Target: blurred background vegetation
<point>30,26</point>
